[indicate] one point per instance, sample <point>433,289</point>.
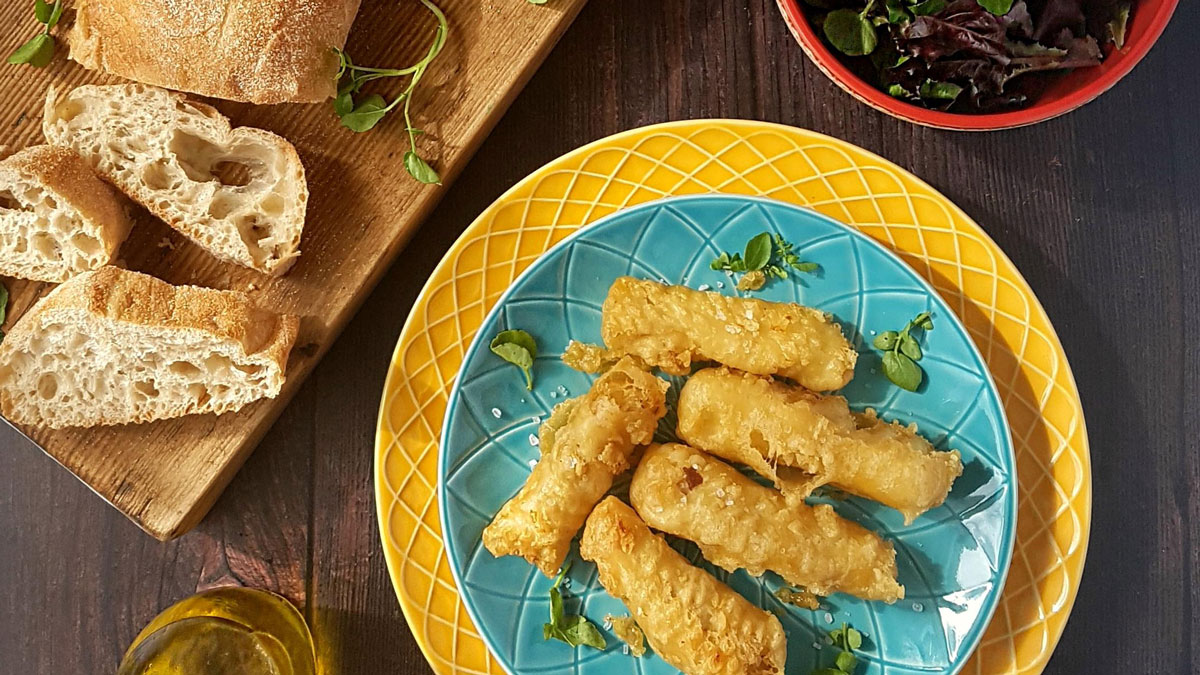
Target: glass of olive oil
<point>224,631</point>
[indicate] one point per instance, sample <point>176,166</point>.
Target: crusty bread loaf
<point>57,218</point>
<point>238,193</point>
<point>259,51</point>
<point>114,346</point>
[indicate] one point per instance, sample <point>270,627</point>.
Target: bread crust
<point>70,179</point>
<point>256,51</point>
<point>121,296</point>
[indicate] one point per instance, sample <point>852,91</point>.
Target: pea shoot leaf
<point>518,348</point>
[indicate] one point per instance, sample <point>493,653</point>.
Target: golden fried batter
<point>769,425</point>
<point>694,622</point>
<point>585,443</point>
<point>672,326</point>
<point>739,524</point>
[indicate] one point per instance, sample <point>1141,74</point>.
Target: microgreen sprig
<point>847,639</point>
<point>572,629</point>
<point>39,50</point>
<point>901,351</point>
<point>364,114</point>
<point>767,255</point>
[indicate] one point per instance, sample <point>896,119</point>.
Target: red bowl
<point>1065,94</point>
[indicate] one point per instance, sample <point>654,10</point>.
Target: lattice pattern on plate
<point>975,278</point>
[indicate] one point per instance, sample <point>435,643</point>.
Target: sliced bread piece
<point>238,193</point>
<point>114,346</point>
<point>57,218</point>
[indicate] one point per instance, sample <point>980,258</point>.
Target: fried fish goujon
<point>769,426</point>
<point>694,622</point>
<point>740,524</point>
<point>585,443</point>
<point>671,326</point>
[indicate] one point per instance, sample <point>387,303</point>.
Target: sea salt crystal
<point>703,287</point>
<point>720,284</point>
<point>532,463</point>
<point>562,390</point>
<point>728,502</point>
<point>625,649</point>
<point>536,419</point>
<point>608,623</point>
<point>828,617</point>
<point>496,413</point>
<point>554,394</point>
<point>534,441</point>
<point>917,607</point>
<point>571,462</point>
<point>720,492</point>
<point>816,645</point>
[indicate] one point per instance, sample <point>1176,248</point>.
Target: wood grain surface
<point>362,208</point>
<point>1099,209</point>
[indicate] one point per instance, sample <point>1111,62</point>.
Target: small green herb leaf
<point>829,671</point>
<point>420,169</point>
<point>902,371</point>
<point>924,321</point>
<point>846,662</point>
<point>853,638</point>
<point>928,7</point>
<point>520,349</point>
<point>886,341</point>
<point>578,631</point>
<point>42,10</point>
<point>940,90</point>
<point>37,52</point>
<point>344,104</point>
<point>574,630</point>
<point>852,33</point>
<point>898,91</point>
<point>808,267</point>
<point>997,7</point>
<point>909,347</point>
<point>758,252</point>
<point>366,114</point>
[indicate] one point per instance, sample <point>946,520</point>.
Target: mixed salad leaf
<point>969,55</point>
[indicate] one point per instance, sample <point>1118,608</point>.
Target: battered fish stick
<point>740,524</point>
<point>769,425</point>
<point>694,622</point>
<point>585,443</point>
<point>672,326</point>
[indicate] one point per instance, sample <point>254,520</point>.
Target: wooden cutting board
<point>363,207</point>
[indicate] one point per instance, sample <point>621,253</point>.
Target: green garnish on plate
<point>765,257</point>
<point>572,629</point>
<point>518,348</point>
<point>847,639</point>
<point>901,351</point>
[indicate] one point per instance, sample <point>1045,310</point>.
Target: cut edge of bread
<point>57,218</point>
<point>114,347</point>
<point>238,193</point>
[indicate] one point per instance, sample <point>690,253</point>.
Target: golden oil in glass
<point>224,631</point>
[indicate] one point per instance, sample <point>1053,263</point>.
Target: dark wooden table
<point>1100,210</point>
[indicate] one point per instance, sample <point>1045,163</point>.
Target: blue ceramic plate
<point>952,560</point>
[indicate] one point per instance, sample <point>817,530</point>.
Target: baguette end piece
<point>116,347</point>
